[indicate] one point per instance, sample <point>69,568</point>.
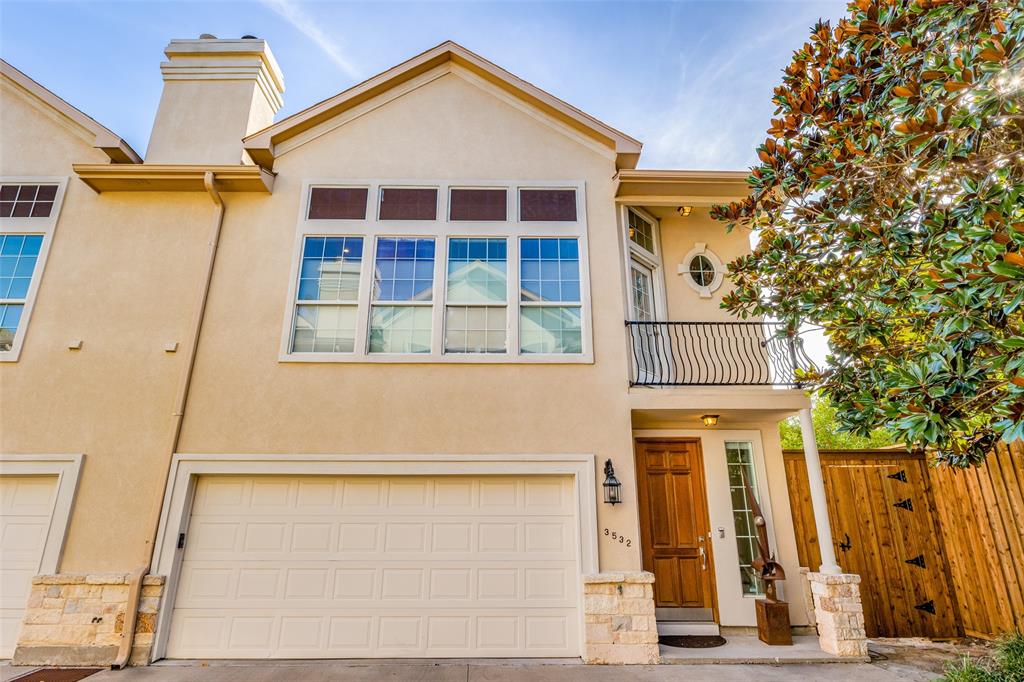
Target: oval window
<point>702,270</point>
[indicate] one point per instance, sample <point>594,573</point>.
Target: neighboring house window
<point>403,294</point>
<point>28,216</point>
<point>19,254</point>
<point>739,458</point>
<point>27,201</point>
<point>337,203</point>
<point>549,280</point>
<point>547,205</point>
<point>408,203</point>
<point>460,279</point>
<point>476,317</point>
<point>327,306</point>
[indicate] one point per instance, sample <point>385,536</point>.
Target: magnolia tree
<point>889,208</point>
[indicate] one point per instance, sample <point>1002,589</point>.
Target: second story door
<point>641,284</point>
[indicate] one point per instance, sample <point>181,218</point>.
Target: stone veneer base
<point>839,613</point>
<point>618,611</point>
<point>78,620</point>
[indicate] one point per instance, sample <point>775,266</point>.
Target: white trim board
<point>186,468</point>
<point>67,469</point>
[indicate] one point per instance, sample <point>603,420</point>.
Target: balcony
<point>715,354</point>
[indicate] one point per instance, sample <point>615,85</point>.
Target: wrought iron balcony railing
<point>715,354</point>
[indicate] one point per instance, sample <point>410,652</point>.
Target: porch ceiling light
<point>612,487</point>
<point>709,419</point>
<point>684,210</point>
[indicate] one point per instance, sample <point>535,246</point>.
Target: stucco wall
<point>122,276</point>
<point>678,236</point>
<point>244,400</point>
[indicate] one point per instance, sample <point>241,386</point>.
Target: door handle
<point>703,560</point>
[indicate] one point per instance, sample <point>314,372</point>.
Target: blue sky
<point>692,80</point>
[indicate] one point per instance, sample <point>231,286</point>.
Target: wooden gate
<point>885,528</point>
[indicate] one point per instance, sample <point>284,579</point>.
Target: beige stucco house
<point>352,383</point>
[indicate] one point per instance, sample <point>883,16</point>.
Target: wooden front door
<point>674,523</point>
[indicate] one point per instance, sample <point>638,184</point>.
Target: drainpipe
<point>818,502</point>
<point>178,416</point>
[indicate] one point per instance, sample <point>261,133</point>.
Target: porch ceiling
<point>682,407</point>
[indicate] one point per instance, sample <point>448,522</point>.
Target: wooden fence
<point>940,552</point>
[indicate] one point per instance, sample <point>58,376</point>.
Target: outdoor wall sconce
<point>612,487</point>
<point>709,419</point>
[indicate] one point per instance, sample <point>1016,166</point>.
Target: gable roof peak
<point>261,144</point>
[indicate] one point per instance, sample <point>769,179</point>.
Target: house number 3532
<point>616,537</point>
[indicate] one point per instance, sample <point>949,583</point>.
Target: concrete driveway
<point>497,671</point>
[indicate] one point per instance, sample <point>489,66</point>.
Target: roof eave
<point>653,187</point>
<point>102,177</point>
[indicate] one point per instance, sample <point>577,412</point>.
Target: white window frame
<point>32,226</point>
<point>649,259</point>
<point>441,230</point>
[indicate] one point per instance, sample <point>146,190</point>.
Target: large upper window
<point>337,203</point>
<point>476,284</point>
<point>28,215</point>
<point>403,294</point>
<point>549,280</point>
<point>408,203</point>
<point>476,317</point>
<point>547,205</point>
<point>325,315</point>
<point>739,457</point>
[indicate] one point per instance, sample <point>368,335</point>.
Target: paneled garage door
<point>326,567</point>
<point>26,505</point>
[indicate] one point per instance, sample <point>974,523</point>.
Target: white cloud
<point>307,26</point>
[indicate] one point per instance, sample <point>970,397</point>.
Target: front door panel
<point>674,523</point>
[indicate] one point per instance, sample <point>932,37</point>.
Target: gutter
<point>181,400</point>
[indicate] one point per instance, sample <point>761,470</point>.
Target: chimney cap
<point>249,37</point>
<point>207,36</point>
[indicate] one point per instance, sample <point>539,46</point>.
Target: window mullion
<point>365,298</point>
<point>512,277</point>
<point>440,293</point>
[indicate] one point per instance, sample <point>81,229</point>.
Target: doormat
<point>57,675</point>
<point>692,641</point>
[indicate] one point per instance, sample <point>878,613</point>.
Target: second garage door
<point>324,567</point>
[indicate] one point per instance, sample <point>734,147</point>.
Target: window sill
<point>437,359</point>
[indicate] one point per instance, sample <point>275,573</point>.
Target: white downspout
<point>818,501</point>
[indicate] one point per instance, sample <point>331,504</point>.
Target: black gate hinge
<point>927,607</point>
<point>905,504</point>
<point>900,475</point>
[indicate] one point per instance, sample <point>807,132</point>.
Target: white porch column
<point>818,502</point>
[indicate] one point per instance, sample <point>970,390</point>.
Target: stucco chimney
<point>215,93</point>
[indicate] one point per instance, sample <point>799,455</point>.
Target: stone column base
<point>77,620</point>
<point>839,613</point>
<point>619,614</point>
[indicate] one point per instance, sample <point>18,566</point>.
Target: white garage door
<point>26,505</point>
<point>325,567</point>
